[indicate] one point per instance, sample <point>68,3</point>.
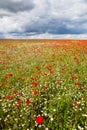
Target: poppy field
<point>43,85</point>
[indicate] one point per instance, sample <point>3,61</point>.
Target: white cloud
<point>46,18</point>
<point>46,36</point>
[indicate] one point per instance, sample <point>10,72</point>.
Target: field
<point>43,85</point>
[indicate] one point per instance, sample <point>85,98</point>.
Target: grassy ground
<point>43,85</point>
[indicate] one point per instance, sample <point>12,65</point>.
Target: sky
<point>39,19</point>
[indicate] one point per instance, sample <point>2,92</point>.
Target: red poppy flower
<point>10,74</point>
<point>2,85</point>
<point>28,102</point>
<point>49,67</point>
<point>59,81</point>
<point>77,83</point>
<point>63,69</point>
<point>75,103</point>
<point>35,84</point>
<point>9,97</point>
<point>39,119</point>
<point>37,67</point>
<point>35,92</point>
<point>39,72</point>
<point>70,78</point>
<point>15,91</point>
<point>19,102</point>
<point>75,77</point>
<point>6,77</point>
<point>32,78</point>
<point>37,77</point>
<point>51,72</point>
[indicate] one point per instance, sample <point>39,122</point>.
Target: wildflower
<point>2,85</point>
<point>77,83</point>
<point>39,119</point>
<point>84,115</point>
<point>51,119</point>
<point>32,78</point>
<point>46,129</point>
<point>75,77</point>
<point>6,77</point>
<point>19,102</point>
<point>28,102</point>
<point>51,72</point>
<point>9,97</point>
<point>39,72</point>
<point>49,67</point>
<point>59,81</point>
<point>37,67</point>
<point>35,92</point>
<point>35,84</point>
<point>70,78</point>
<point>37,77</point>
<point>63,68</point>
<point>10,74</point>
<point>75,103</point>
<point>15,91</point>
<point>76,59</point>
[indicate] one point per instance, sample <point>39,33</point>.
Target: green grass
<point>52,77</point>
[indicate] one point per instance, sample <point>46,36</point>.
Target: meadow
<point>43,85</point>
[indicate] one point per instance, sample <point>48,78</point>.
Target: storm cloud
<point>16,5</point>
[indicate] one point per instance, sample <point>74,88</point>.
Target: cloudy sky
<point>43,19</point>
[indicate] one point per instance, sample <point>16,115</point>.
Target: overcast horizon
<point>43,19</point>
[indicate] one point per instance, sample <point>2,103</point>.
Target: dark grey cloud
<point>16,6</point>
<point>57,26</point>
